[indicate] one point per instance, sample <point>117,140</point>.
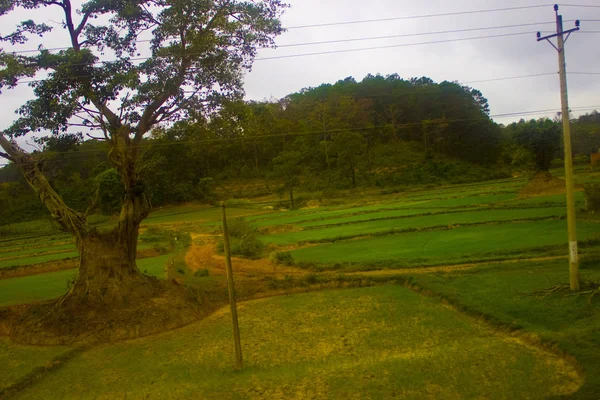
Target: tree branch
<point>70,26</point>
<point>94,202</point>
<point>4,155</point>
<point>68,219</point>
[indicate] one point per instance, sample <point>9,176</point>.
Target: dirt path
<point>204,256</point>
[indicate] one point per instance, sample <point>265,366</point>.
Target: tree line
<point>380,131</point>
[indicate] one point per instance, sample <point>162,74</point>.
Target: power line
<point>583,73</point>
<point>383,37</point>
<point>578,5</point>
<point>511,77</point>
<point>391,46</point>
<point>354,40</point>
<point>346,40</point>
<point>322,52</point>
<point>366,21</point>
<point>414,34</point>
<point>346,50</point>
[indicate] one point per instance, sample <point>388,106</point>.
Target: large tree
<point>541,137</point>
<point>128,66</point>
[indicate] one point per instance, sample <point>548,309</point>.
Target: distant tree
<point>541,137</point>
<point>350,148</point>
<point>586,133</point>
<point>288,167</point>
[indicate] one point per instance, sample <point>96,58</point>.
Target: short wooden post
<point>239,363</point>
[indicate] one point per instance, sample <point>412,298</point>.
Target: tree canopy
<point>127,67</point>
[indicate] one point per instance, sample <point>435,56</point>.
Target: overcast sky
<point>464,61</point>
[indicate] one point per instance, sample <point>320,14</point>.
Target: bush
<point>592,197</point>
<point>281,257</point>
<point>166,238</point>
<point>201,272</point>
<point>243,239</point>
<point>160,249</point>
<point>311,279</point>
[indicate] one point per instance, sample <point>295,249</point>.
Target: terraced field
<point>493,252</point>
<point>474,225</point>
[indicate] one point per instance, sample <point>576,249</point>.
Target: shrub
<point>160,249</point>
<point>592,197</point>
<point>201,272</point>
<point>311,279</point>
<point>281,257</point>
<point>243,239</point>
<point>170,239</point>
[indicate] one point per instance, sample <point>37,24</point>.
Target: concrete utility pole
<point>571,222</point>
<point>234,317</point>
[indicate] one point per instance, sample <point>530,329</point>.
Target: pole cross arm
<point>568,32</point>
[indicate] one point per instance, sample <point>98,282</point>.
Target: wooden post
<point>236,329</point>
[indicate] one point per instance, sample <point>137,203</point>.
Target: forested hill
<point>381,131</point>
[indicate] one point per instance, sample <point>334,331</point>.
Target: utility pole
<point>236,329</point>
<point>571,222</point>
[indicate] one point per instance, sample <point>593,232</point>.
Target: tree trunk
<point>107,270</point>
<point>292,197</point>
<point>353,175</point>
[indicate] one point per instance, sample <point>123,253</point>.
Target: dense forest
<point>381,131</point>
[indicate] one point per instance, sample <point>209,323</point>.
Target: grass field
<point>502,295</point>
<point>375,343</point>
<point>34,288</point>
<point>460,243</point>
<point>380,342</point>
<point>344,228</point>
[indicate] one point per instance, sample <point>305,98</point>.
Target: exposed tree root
<point>587,287</point>
<point>144,309</point>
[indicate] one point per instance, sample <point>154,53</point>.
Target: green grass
<point>35,226</point>
<point>32,251</point>
<point>17,361</point>
<point>25,241</point>
<point>499,294</point>
<point>384,342</point>
<point>195,214</point>
<point>557,199</point>
<point>454,244</point>
<point>384,214</point>
<point>38,259</point>
<point>402,224</point>
<point>417,207</point>
<point>54,284</point>
<point>34,288</point>
<point>154,266</point>
<point>44,225</point>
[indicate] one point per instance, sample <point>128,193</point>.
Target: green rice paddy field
<point>480,333</point>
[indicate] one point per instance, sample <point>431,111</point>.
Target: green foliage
<point>287,166</point>
<point>592,197</point>
<point>281,257</point>
<point>541,137</point>
<point>243,239</point>
<point>201,272</point>
<point>110,191</point>
<point>165,238</point>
